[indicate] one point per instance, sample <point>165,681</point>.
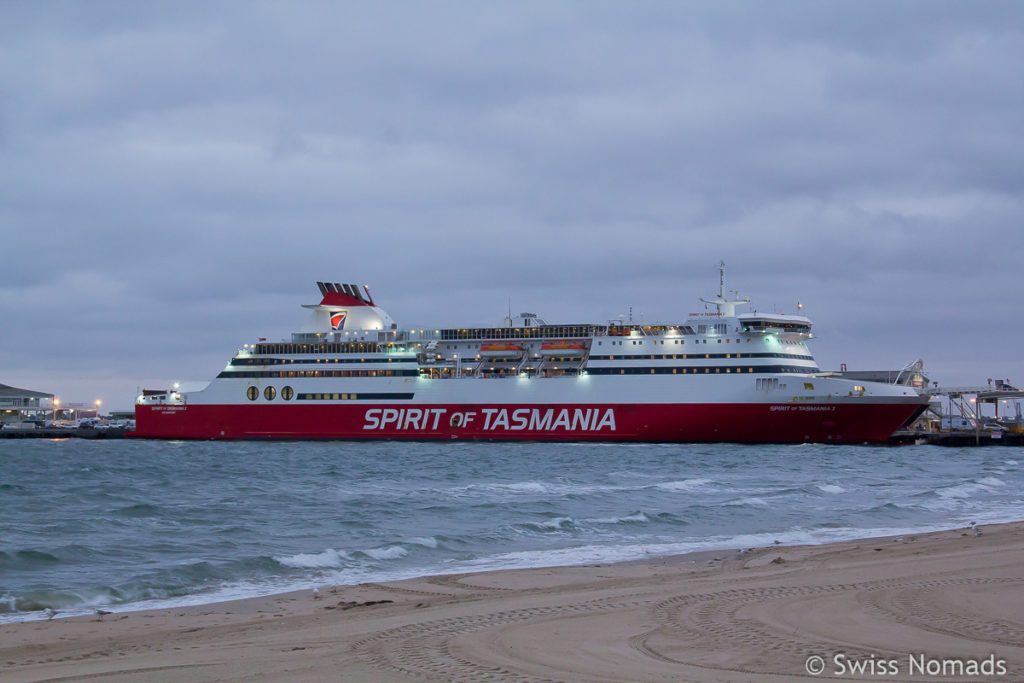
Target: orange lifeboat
<point>501,351</point>
<point>562,349</point>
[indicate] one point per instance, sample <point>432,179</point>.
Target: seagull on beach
<point>316,593</point>
<point>100,613</point>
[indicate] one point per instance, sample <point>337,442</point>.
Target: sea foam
<point>327,558</point>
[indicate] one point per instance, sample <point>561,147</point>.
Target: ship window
<point>251,393</point>
<point>287,393</point>
<point>269,393</point>
<point>857,387</point>
<point>808,386</point>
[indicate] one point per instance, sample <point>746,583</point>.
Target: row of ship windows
<point>322,347</point>
<point>372,347</point>
<point>682,342</point>
<point>412,359</point>
<point>539,332</point>
<point>701,370</point>
<point>590,371</point>
<point>287,393</point>
<point>288,361</point>
<point>642,342</point>
<point>552,331</point>
<point>317,373</point>
<point>269,393</point>
<point>684,356</point>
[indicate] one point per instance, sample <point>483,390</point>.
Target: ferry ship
<point>351,373</point>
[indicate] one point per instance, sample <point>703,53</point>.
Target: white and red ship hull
<point>679,422</point>
<point>351,374</point>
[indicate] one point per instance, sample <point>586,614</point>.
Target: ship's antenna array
<point>726,307</point>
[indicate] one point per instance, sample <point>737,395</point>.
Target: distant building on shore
<point>18,404</point>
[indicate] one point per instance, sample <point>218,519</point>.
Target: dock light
<point>98,402</point>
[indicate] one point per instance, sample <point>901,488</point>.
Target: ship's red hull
<point>743,423</point>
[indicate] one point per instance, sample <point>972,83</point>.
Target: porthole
<point>269,393</point>
<point>287,393</point>
<point>251,393</point>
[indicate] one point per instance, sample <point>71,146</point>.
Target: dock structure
<point>958,438</point>
<point>965,408</point>
<point>64,433</point>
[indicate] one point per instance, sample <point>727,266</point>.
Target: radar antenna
<point>726,307</point>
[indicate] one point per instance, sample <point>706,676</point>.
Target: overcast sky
<point>174,177</point>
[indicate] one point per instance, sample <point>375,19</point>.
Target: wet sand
<point>903,608</point>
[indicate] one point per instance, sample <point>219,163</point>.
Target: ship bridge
<point>788,327</point>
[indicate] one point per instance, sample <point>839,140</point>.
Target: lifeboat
<point>562,349</point>
<point>501,351</point>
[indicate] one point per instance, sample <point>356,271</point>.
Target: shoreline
<point>758,615</point>
<point>705,550</point>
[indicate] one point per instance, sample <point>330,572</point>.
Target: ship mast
<point>726,307</point>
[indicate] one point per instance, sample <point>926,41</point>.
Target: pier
<point>959,438</point>
<point>64,433</point>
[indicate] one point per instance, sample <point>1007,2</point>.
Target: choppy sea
<point>124,525</point>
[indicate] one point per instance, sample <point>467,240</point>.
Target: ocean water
<point>128,524</point>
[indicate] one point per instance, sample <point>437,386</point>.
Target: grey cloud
<point>174,179</point>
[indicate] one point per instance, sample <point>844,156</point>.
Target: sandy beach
<point>940,606</point>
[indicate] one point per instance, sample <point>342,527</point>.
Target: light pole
<point>56,404</point>
<point>98,402</point>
